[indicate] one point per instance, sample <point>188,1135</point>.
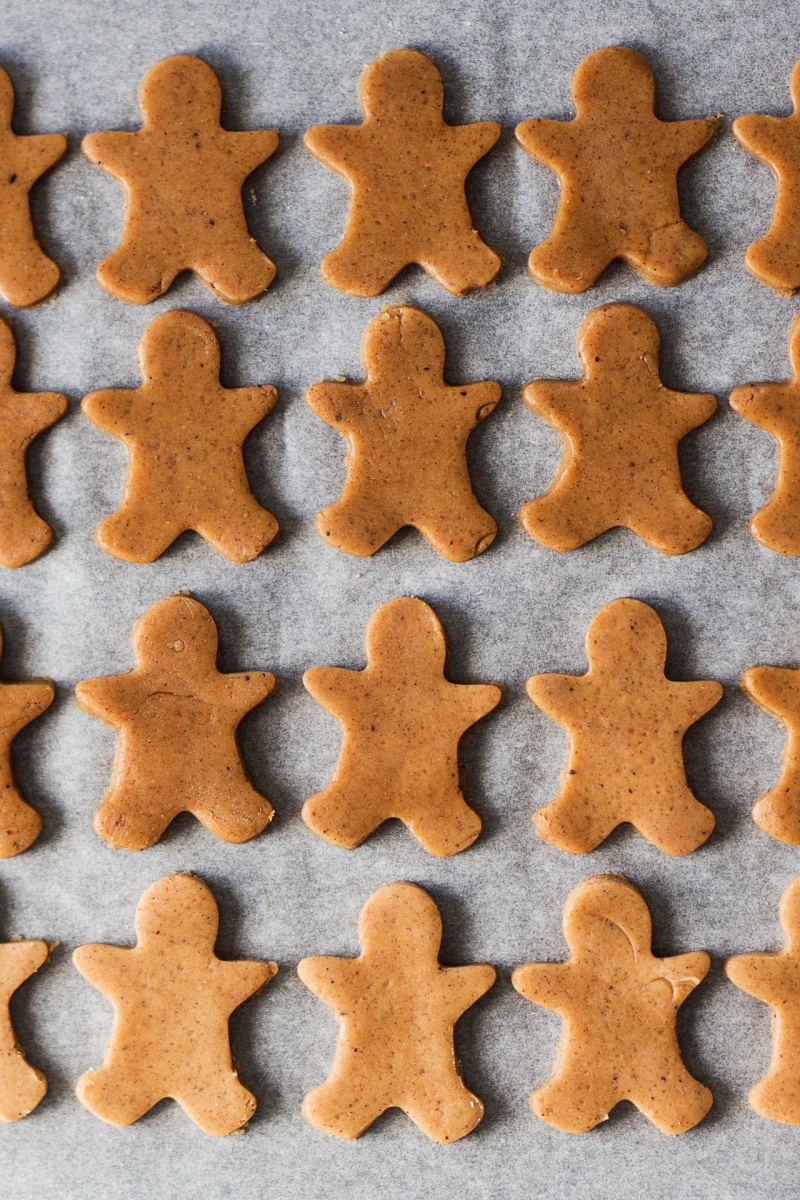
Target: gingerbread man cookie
<point>406,169</point>
<point>626,723</point>
<point>173,998</point>
<point>620,429</point>
<point>21,1085</point>
<point>773,978</point>
<point>776,408</point>
<point>777,691</point>
<point>406,431</point>
<point>183,431</point>
<point>617,164</point>
<point>177,717</point>
<point>775,257</point>
<point>402,722</point>
<point>396,1007</point>
<point>183,176</point>
<point>26,273</point>
<point>20,703</point>
<point>23,415</point>
<point>619,1004</point>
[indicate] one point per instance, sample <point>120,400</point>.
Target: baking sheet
<point>515,611</point>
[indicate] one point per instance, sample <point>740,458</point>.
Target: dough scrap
<point>183,176</point>
<point>20,703</point>
<point>21,1085</point>
<point>396,1007</point>
<point>402,723</point>
<point>172,998</point>
<point>27,275</point>
<point>773,978</point>
<point>775,407</point>
<point>617,165</point>
<point>184,434</point>
<point>406,169</point>
<point>407,432</point>
<point>23,415</point>
<point>619,1004</point>
<point>626,723</point>
<point>775,258</point>
<point>177,717</point>
<point>620,428</point>
<point>777,691</point>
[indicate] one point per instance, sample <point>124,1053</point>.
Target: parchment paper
<point>515,611</point>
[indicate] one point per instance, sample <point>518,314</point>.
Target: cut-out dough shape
<point>777,691</point>
<point>20,703</point>
<point>177,717</point>
<point>21,1085</point>
<point>402,723</point>
<point>619,1005</point>
<point>406,431</point>
<point>774,978</point>
<point>27,275</point>
<point>620,428</point>
<point>183,176</point>
<point>626,723</point>
<point>172,998</point>
<point>406,169</point>
<point>396,1008</point>
<point>183,432</point>
<point>617,164</point>
<point>775,257</point>
<point>23,415</point>
<point>775,407</point>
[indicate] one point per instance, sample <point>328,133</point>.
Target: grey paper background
<point>514,611</point>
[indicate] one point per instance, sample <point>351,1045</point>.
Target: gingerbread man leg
<point>19,823</point>
<point>778,812</point>
<point>462,528</point>
<point>773,258</point>
<point>100,1092</point>
<point>427,821</point>
<point>569,260</point>
<point>673,254</point>
<point>241,531</point>
<point>575,1098</point>
<point>217,1093</point>
<point>347,527</point>
<point>130,819</point>
<point>564,517</point>
<point>235,272</point>
<point>449,1120</point>
<point>678,829</point>
<point>346,1107</point>
<point>138,271</point>
<point>577,821</point>
<point>673,524</point>
<point>477,264</point>
<point>26,273</point>
<point>360,265</point>
<point>669,1096</point>
<point>234,825</point>
<point>344,814</point>
<point>139,533</point>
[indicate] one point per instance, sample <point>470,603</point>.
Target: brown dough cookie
<point>406,169</point>
<point>626,723</point>
<point>402,722</point>
<point>184,433</point>
<point>172,998</point>
<point>617,164</point>
<point>776,408</point>
<point>21,1085</point>
<point>23,415</point>
<point>396,1008</point>
<point>20,703</point>
<point>775,257</point>
<point>777,691</point>
<point>620,429</point>
<point>26,273</point>
<point>619,1004</point>
<point>406,432</point>
<point>177,718</point>
<point>183,176</point>
<point>773,977</point>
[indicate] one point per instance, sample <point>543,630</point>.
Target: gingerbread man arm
<point>477,400</point>
<point>31,699</point>
<point>329,978</point>
<point>338,404</point>
<point>250,148</point>
<point>34,411</point>
<point>546,140</point>
<point>19,960</point>
<point>241,980</point>
<point>683,972</point>
<point>557,695</point>
<point>104,966</point>
<point>334,689</point>
<point>465,985</point>
<point>112,151</point>
<point>546,984</point>
<point>558,402</point>
<point>473,141</point>
<point>770,688</point>
<point>760,975</point>
<point>245,407</point>
<point>111,410</point>
<point>48,147</point>
<point>687,137</point>
<point>245,690</point>
<point>760,404</point>
<point>696,698</point>
<point>111,698</point>
<point>474,700</point>
<point>330,143</point>
<point>689,409</point>
<point>760,135</point>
